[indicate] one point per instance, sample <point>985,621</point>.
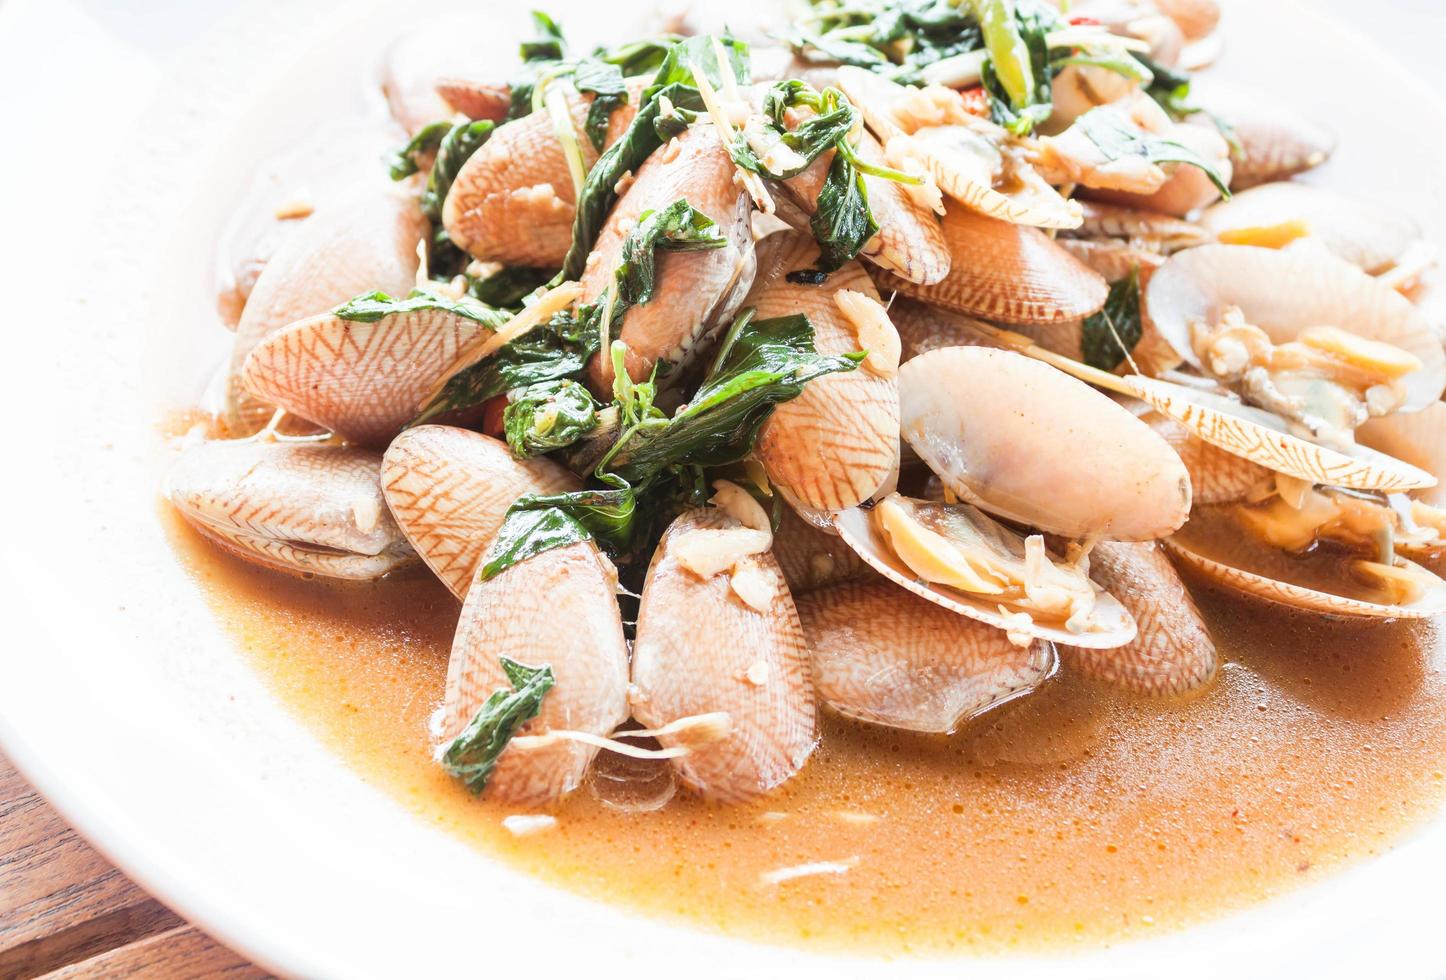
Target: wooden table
<point>67,912</point>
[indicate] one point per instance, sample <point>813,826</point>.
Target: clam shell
<point>300,508</point>
<point>1418,438</point>
<point>888,658</point>
<point>363,381</point>
<point>513,200</point>
<point>811,558</point>
<point>449,490</point>
<point>367,241</point>
<point>1007,273</point>
<point>696,290</point>
<point>1262,438</point>
<point>837,442</point>
<point>1216,476</point>
<point>476,98</point>
<point>1365,235</point>
<point>1300,597</point>
<point>700,649</point>
<point>558,608</point>
<point>1024,441</point>
<point>1285,291</point>
<point>1173,653</point>
<point>1110,623</point>
<point>908,242</point>
<point>1276,141</point>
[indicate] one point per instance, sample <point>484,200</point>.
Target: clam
<point>1369,237</point>
<point>923,328</point>
<point>838,441</point>
<point>1112,259</point>
<point>1187,188</point>
<point>718,637</point>
<point>304,508</point>
<point>1216,476</point>
<point>908,242</point>
<point>449,490</point>
<point>1028,443</point>
<point>1220,546</point>
<point>513,200</point>
<point>1173,653</point>
<point>1285,292</point>
<point>972,160</point>
<point>978,418</point>
<point>367,241</point>
<point>1079,88</point>
<point>556,609</point>
<point>1153,230</point>
<point>697,291</point>
<point>888,658</point>
<point>1274,140</point>
<point>1007,272</point>
<point>476,98</point>
<point>1419,439</point>
<point>363,380</point>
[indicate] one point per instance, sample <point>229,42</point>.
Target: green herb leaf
<point>1022,96</point>
<point>536,523</point>
<point>605,81</point>
<point>762,363</point>
<point>896,39</point>
<point>679,227</point>
<point>1117,137</point>
<point>648,131</point>
<point>456,149</point>
<point>555,350</point>
<point>405,161</point>
<point>842,222</point>
<point>472,755</point>
<point>371,307</point>
<point>549,416</point>
<point>549,44</point>
<point>1119,320</point>
<point>1169,88</point>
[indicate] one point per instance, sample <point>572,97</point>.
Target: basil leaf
<point>677,228</point>
<point>536,523</point>
<point>555,350</point>
<point>762,363</point>
<point>842,222</point>
<point>673,81</point>
<point>1116,137</point>
<point>548,416</point>
<point>895,40</point>
<point>1119,320</point>
<point>456,149</point>
<point>472,755</point>
<point>605,81</point>
<point>549,44</point>
<point>371,307</point>
<point>404,162</point>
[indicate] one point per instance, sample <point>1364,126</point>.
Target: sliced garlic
<point>707,551</point>
<point>525,824</point>
<point>752,583</point>
<point>740,505</point>
<point>874,330</point>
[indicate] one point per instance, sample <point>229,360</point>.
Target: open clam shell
<point>1263,438</point>
<point>362,380</point>
<point>1365,235</point>
<point>1026,442</point>
<point>1007,273</point>
<point>1279,589</point>
<point>300,508</point>
<point>892,659</point>
<point>1419,439</point>
<point>1285,291</point>
<point>449,490</point>
<point>1110,624</point>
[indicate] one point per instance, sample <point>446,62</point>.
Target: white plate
<point>129,134</point>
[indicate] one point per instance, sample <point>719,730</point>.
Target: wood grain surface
<point>67,912</point>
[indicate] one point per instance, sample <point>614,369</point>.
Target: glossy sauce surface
<point>1074,817</point>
